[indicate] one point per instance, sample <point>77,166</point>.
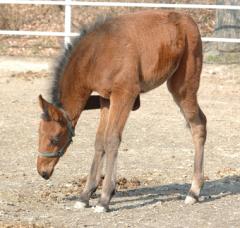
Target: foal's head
<point>55,135</point>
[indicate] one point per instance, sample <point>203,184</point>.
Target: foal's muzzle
<point>45,175</point>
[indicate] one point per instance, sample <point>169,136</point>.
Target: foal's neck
<point>73,95</point>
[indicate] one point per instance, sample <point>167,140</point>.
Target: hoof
<point>190,200</point>
<point>80,205</point>
<point>100,209</point>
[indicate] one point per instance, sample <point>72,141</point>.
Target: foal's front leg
<point>94,176</point>
<point>120,107</point>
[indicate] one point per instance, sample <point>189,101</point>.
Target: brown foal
<point>120,58</point>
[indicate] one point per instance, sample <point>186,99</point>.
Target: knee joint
<point>99,143</point>
<point>112,142</point>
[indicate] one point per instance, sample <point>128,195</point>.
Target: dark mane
<point>63,59</point>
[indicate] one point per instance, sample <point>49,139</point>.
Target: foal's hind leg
<point>96,168</point>
<point>183,86</point>
<point>120,107</point>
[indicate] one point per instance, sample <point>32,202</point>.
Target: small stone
<point>68,185</point>
<point>80,205</point>
<point>165,188</point>
<point>100,209</point>
<point>49,184</point>
<point>206,178</point>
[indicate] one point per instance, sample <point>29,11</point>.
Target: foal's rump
<point>161,46</point>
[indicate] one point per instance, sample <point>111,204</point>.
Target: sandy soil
<point>156,158</point>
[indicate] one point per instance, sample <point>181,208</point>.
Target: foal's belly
<point>152,81</point>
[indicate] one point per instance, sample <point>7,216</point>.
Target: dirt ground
<point>154,167</point>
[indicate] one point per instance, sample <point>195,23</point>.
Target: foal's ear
<point>52,112</point>
<point>43,104</point>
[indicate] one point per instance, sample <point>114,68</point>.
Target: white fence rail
<point>69,3</point>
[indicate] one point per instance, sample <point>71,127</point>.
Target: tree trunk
<point>228,26</point>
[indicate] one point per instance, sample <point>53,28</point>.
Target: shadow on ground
<point>143,196</point>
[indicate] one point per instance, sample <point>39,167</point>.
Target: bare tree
<point>228,26</point>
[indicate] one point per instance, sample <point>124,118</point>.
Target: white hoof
<point>80,205</point>
<point>190,200</point>
<point>100,209</point>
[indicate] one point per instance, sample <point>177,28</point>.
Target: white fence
<point>69,3</point>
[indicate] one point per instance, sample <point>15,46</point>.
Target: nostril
<point>45,175</point>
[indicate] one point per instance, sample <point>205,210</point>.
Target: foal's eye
<point>55,141</point>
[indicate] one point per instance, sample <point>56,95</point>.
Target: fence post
<point>67,22</point>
